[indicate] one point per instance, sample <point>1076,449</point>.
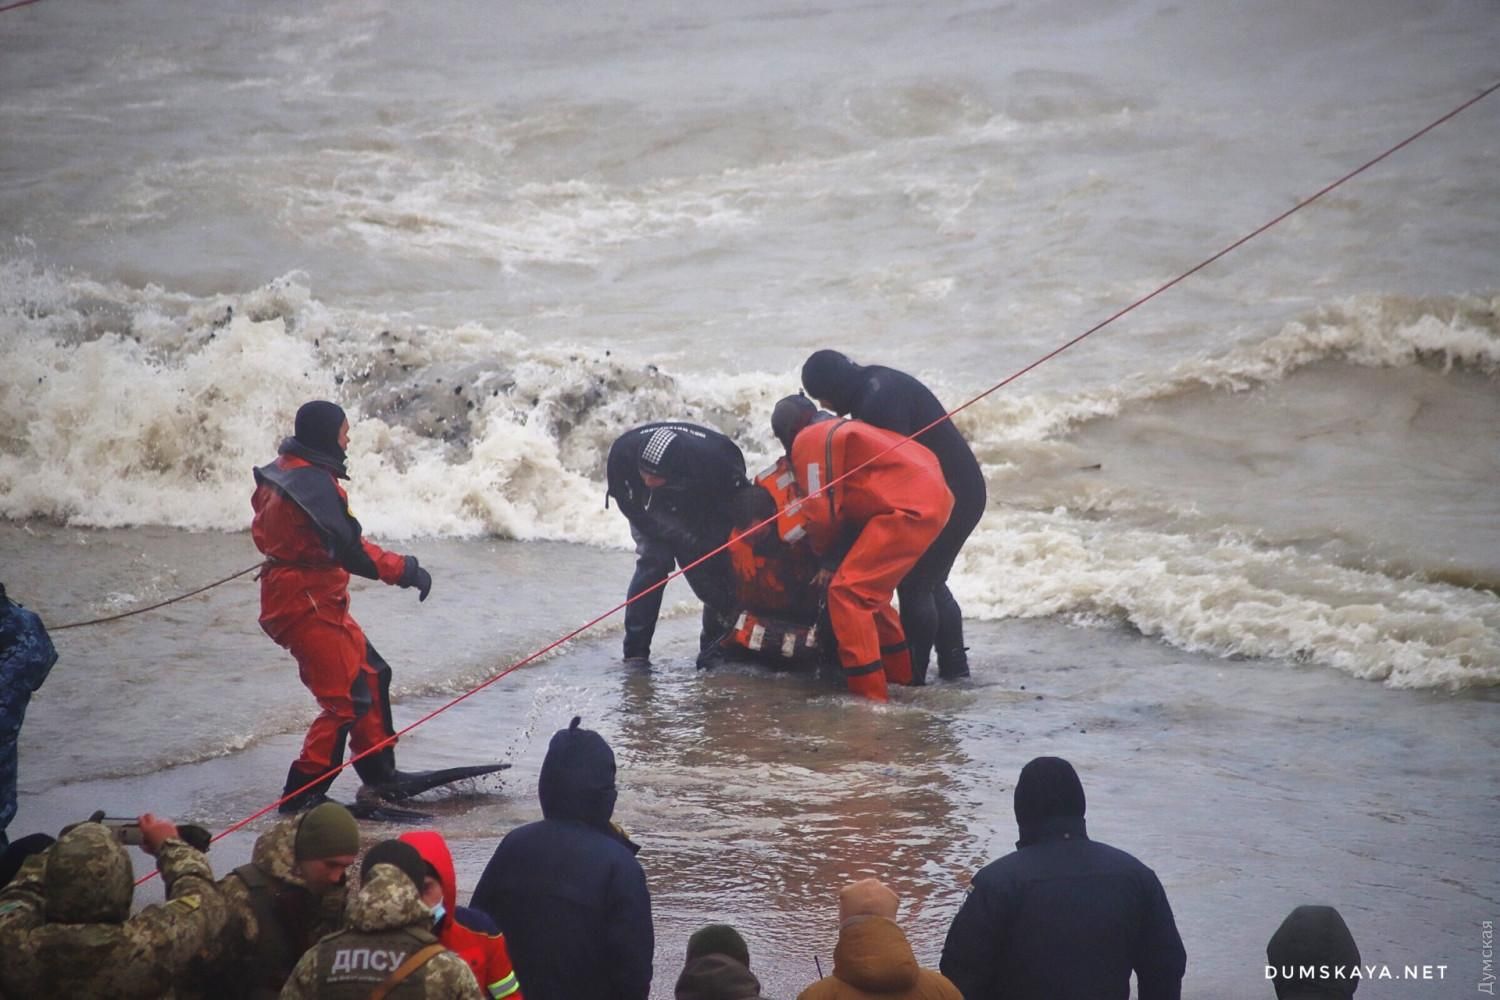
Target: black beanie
<point>718,939</point>
<point>654,455</point>
<point>1047,789</point>
<point>318,425</point>
<point>398,853</point>
<point>831,377</point>
<point>790,415</point>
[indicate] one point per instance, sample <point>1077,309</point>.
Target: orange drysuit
<point>892,507</point>
<point>311,542</point>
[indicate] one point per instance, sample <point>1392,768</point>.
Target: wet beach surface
<point>1249,786</point>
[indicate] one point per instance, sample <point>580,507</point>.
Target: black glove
<point>415,576</point>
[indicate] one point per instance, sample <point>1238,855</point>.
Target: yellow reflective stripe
<point>504,987</point>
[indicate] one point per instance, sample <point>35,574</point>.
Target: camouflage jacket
<point>386,923</point>
<point>273,918</point>
<point>46,955</point>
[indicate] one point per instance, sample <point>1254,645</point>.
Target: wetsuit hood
<point>578,777</point>
<point>790,415</point>
<point>316,436</point>
<point>1312,936</point>
<point>832,378</point>
<point>89,878</point>
<point>1049,800</point>
<point>434,851</point>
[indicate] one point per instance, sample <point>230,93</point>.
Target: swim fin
<point>407,784</point>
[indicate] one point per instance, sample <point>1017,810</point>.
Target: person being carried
<point>312,544</point>
<point>672,480</point>
<point>290,894</point>
<point>777,606</point>
<point>898,402</point>
<point>567,891</point>
<point>886,504</point>
<point>26,658</point>
<point>468,933</point>
<point>873,959</point>
<point>387,948</point>
<point>65,923</point>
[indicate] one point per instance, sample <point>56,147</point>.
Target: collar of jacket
<point>323,460</point>
<point>1053,828</point>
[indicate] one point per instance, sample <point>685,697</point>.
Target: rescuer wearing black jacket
<point>897,402</point>
<point>672,480</point>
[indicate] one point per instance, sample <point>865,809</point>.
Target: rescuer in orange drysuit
<point>312,543</point>
<point>879,521</point>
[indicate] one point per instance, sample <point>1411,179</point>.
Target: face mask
<point>438,912</point>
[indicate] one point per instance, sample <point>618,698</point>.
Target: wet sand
<point>1249,786</point>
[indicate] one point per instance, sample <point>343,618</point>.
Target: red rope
<point>998,385</point>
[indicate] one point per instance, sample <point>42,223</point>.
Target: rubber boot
<point>896,663</point>
<point>312,796</point>
<point>953,664</point>
<point>867,682</point>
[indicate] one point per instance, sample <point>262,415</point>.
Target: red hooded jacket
<point>465,932</point>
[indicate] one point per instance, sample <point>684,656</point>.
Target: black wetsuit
<point>898,402</point>
<point>677,523</point>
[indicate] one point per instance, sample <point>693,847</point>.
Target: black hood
<point>1316,936</point>
<point>1049,800</point>
<point>578,777</point>
<point>832,378</point>
<point>790,415</point>
<point>317,431</point>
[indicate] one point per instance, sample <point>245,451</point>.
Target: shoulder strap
<point>413,962</point>
<point>828,461</point>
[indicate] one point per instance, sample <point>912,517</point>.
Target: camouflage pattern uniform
<point>64,929</point>
<point>26,657</point>
<point>273,919</point>
<point>386,923</point>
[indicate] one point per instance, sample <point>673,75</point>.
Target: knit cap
<point>719,939</point>
<point>867,898</point>
<point>328,831</point>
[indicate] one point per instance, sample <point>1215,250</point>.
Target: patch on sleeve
<point>187,903</point>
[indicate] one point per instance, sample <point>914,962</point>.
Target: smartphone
<point>126,831</point>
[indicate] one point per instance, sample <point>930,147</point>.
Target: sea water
<point>500,235</point>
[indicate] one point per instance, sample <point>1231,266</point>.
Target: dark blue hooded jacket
<point>26,657</point>
<point>1064,917</point>
<point>567,891</point>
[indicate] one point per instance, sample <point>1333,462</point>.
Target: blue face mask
<point>438,912</point>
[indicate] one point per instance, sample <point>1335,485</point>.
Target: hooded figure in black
<point>681,514</point>
<point>1063,917</point>
<point>897,402</point>
<point>567,891</point>
<point>1316,937</point>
